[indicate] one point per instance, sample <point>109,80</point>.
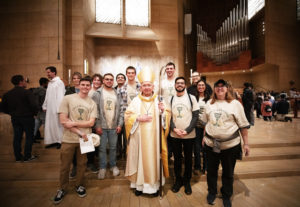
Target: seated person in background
<point>266,109</point>
<point>282,109</point>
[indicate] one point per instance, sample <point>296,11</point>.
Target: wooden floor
<point>269,177</point>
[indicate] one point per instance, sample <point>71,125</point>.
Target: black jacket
<point>19,102</point>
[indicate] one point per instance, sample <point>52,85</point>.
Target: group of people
<point>271,106</point>
<point>157,121</point>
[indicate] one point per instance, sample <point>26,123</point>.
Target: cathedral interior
<point>236,40</point>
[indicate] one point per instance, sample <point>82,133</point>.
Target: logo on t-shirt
<point>170,88</point>
<point>80,111</point>
<point>179,109</point>
<point>219,117</point>
<point>108,105</point>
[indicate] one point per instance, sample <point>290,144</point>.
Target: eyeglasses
<point>121,77</point>
<point>108,79</point>
<point>180,83</point>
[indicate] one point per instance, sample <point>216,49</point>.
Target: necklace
<point>147,110</point>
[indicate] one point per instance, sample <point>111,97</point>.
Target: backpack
<point>268,108</point>
<point>189,99</point>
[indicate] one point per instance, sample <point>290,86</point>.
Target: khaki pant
<point>66,157</point>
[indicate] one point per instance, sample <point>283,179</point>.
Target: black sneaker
<point>226,202</point>
<point>176,187</point>
<point>187,188</point>
<point>33,157</point>
<point>138,193</point>
<point>73,173</point>
<point>211,199</point>
<point>80,190</point>
<point>58,145</point>
<point>59,196</point>
<point>155,194</point>
<point>93,168</point>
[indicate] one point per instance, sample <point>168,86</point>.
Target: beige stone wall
<point>74,37</point>
<point>264,77</point>
<point>282,40</point>
<point>89,17</point>
<point>29,40</point>
<point>114,55</point>
<point>29,37</point>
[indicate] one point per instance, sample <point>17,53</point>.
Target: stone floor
<point>269,177</point>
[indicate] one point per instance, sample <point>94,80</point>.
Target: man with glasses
<point>184,110</point>
<point>108,124</point>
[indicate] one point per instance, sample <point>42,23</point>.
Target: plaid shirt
<point>123,92</point>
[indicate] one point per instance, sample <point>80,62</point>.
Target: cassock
<point>142,166</point>
<point>54,95</point>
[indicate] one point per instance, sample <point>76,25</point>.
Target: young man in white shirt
<point>108,124</point>
<point>77,114</point>
<point>185,110</point>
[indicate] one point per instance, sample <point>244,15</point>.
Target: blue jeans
<point>108,136</point>
<point>198,149</point>
<point>20,125</point>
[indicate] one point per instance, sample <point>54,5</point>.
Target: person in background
<point>75,81</point>
<point>91,165</point>
<point>96,84</point>
<point>248,99</point>
<point>54,95</point>
<point>121,79</point>
<point>128,91</point>
<point>121,145</point>
<point>22,106</point>
<point>266,109</point>
<point>168,90</point>
<point>202,99</point>
<point>40,94</point>
<point>282,109</point>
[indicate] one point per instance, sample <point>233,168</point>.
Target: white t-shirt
<point>202,106</point>
<point>109,100</point>
<point>168,89</point>
<point>182,113</point>
<point>131,92</point>
<point>78,109</point>
<point>223,120</point>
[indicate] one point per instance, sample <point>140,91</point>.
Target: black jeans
<point>187,145</point>
<point>228,159</point>
<point>122,142</point>
<point>198,149</point>
<point>20,125</point>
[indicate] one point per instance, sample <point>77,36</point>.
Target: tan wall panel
<point>282,41</point>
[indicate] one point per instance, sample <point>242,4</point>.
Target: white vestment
<point>142,166</point>
<point>54,95</point>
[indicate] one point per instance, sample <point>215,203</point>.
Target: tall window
<point>111,11</point>
<point>298,10</point>
<point>108,11</point>
<point>254,6</point>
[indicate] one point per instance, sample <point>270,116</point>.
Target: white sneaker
<point>101,174</point>
<point>115,171</point>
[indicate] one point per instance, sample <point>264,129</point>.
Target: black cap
<point>221,81</point>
